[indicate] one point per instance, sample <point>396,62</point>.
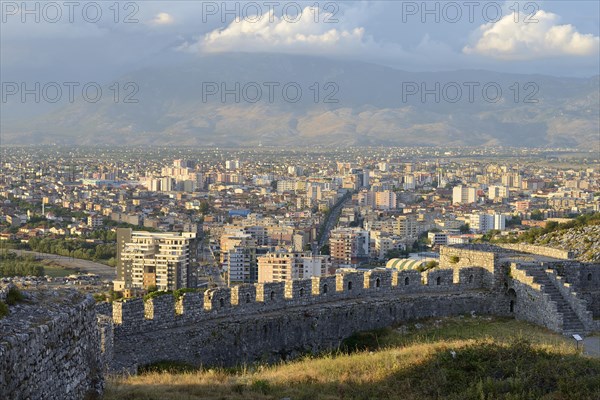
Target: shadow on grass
<point>477,371</point>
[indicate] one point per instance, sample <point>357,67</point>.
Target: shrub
<point>3,309</point>
<point>454,259</point>
<point>152,295</point>
<point>261,386</point>
<point>173,367</point>
<point>13,296</point>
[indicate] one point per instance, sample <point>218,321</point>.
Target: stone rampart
<point>222,321</point>
<point>530,302</point>
<point>50,348</point>
<point>539,250</point>
<point>274,336</point>
<point>63,351</point>
<point>575,300</point>
<point>136,315</point>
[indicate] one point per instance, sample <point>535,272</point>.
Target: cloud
<point>507,39</point>
<point>283,35</point>
<point>162,18</point>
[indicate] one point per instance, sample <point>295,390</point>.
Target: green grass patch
<point>57,271</point>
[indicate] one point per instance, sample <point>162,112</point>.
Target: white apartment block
<point>437,238</point>
<point>483,223</point>
<point>146,259</point>
<point>464,195</point>
<point>95,221</point>
<point>498,192</point>
<point>382,242</point>
<point>238,257</point>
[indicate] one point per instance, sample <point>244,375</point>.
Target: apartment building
<point>146,259</point>
<point>464,195</point>
<point>349,247</point>
<point>238,257</point>
<point>284,265</point>
<point>482,223</point>
<point>498,193</point>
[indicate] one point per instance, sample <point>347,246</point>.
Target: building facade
<point>148,259</point>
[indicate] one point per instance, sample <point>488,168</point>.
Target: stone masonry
<point>50,348</point>
<point>68,340</point>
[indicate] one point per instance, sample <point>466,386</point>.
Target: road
<point>333,218</point>
<point>102,270</point>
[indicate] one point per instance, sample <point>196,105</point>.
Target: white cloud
<point>278,34</point>
<point>162,18</point>
<point>507,39</point>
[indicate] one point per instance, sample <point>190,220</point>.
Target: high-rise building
<point>464,195</point>
<point>409,182</point>
<point>483,223</point>
<point>238,257</point>
<point>146,259</point>
<point>349,247</point>
<point>385,200</point>
<point>498,193</point>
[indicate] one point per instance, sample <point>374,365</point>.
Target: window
<point>350,285</point>
<point>470,278</point>
<point>378,282</point>
<point>247,297</point>
<point>438,281</point>
<point>325,288</point>
<point>406,281</point>
<point>272,295</point>
<point>589,277</point>
<point>301,292</point>
<point>222,302</point>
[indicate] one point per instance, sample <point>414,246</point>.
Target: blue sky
<point>561,38</point>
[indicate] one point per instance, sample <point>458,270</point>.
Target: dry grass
<point>493,359</point>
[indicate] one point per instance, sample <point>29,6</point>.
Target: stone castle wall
<point>539,250</point>
<point>276,336</point>
<point>272,321</point>
<point>226,326</point>
<point>49,348</point>
<point>530,302</point>
<point>133,316</point>
<point>73,342</point>
<point>462,257</point>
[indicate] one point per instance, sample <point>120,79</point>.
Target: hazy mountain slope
<point>370,108</point>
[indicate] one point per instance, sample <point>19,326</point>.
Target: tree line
<point>13,265</point>
<point>75,248</point>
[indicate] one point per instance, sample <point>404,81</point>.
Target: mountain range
<point>367,104</point>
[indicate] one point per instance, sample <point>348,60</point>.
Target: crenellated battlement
<point>166,311</point>
<point>267,322</point>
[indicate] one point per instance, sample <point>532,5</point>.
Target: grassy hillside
<point>457,358</point>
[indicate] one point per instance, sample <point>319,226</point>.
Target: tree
<point>395,253</point>
<point>537,215</point>
<point>514,221</point>
<point>465,228</point>
<point>325,249</point>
